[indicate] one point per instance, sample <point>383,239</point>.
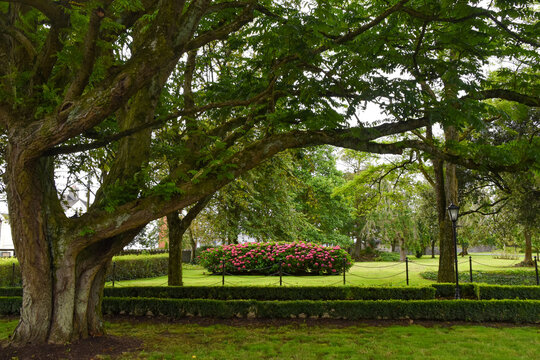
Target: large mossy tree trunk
<point>62,283</point>
<point>63,267</point>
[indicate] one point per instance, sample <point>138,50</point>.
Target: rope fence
<point>224,274</point>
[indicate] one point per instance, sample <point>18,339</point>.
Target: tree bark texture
<point>528,260</point>
<point>176,233</point>
<point>62,285</point>
<point>402,251</point>
<point>446,193</point>
<point>193,243</point>
<point>177,229</point>
<point>357,248</point>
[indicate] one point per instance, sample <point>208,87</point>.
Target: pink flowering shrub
<point>297,258</point>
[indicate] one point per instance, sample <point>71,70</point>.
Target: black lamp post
<point>453,212</point>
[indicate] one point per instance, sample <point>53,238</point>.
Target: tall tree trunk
<point>464,250</point>
<point>446,242</point>
<point>402,251</point>
<point>28,220</point>
<point>433,249</point>
<point>357,248</point>
<point>176,233</point>
<point>527,234</point>
<point>177,229</point>
<point>193,243</point>
<point>62,284</point>
<point>447,185</point>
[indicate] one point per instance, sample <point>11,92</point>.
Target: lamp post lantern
<point>453,213</point>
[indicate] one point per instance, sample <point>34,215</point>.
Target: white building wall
<point>6,242</point>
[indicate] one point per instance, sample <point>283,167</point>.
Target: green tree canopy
<point>234,83</point>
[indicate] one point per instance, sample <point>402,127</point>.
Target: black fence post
<point>344,267</point>
<point>407,269</point>
<point>470,268</point>
<point>536,269</point>
<point>113,272</point>
<point>280,274</point>
<point>222,272</point>
<point>13,274</point>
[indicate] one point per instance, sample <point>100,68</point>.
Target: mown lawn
<point>300,341</point>
<point>362,273</point>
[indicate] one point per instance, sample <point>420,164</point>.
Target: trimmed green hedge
<point>517,311</point>
<point>8,277</point>
<point>10,305</point>
<point>467,291</point>
<point>128,267</point>
<point>10,291</point>
<point>518,276</point>
<point>276,293</point>
<point>471,291</point>
<point>487,292</point>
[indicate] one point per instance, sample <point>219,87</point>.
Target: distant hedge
<point>128,267</point>
<point>296,258</point>
<point>10,272</point>
<point>521,276</point>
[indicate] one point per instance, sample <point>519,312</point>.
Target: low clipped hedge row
<point>10,305</point>
<point>515,311</point>
<point>448,290</point>
<point>440,291</point>
<point>276,293</point>
<point>434,291</point>
<point>508,292</point>
<point>518,276</point>
<point>488,292</point>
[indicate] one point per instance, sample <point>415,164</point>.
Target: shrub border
<point>276,292</point>
<point>514,311</point>
<point>434,291</point>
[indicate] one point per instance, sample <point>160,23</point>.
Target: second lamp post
<point>453,212</point>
